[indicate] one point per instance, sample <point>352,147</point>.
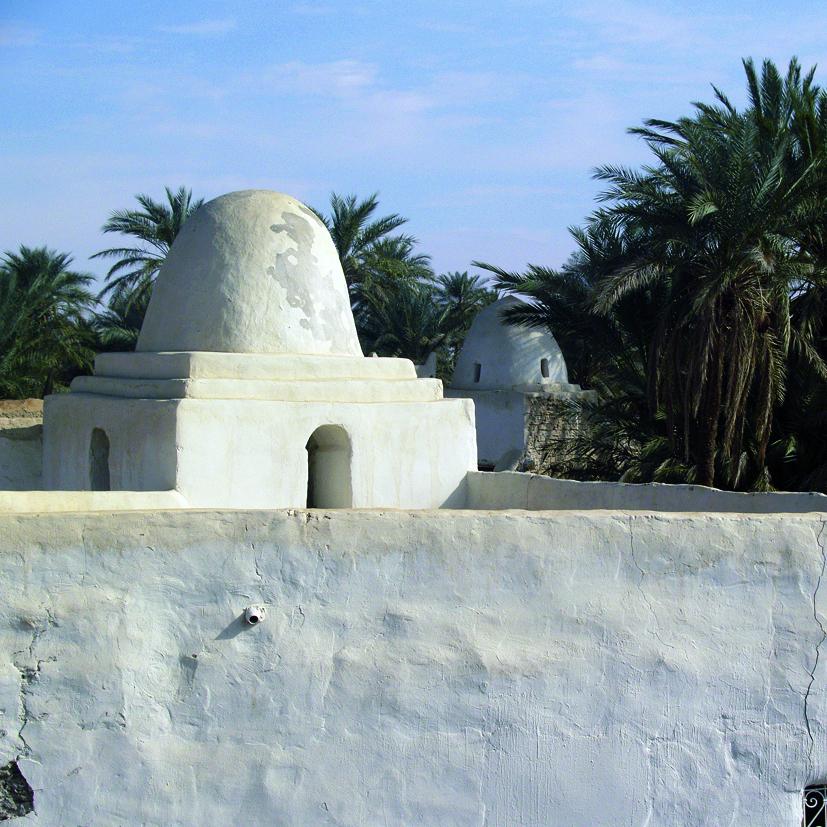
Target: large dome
<point>251,272</point>
<point>500,356</point>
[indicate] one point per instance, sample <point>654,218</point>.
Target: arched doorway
<point>328,468</point>
<point>99,461</point>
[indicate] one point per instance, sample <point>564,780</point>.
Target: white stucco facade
<point>234,433</point>
<point>425,668</point>
<point>251,272</point>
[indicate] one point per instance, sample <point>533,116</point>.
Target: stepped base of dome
<point>215,365</point>
<point>202,375</point>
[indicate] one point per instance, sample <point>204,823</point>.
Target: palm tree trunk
<point>712,415</point>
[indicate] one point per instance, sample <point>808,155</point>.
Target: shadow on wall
<point>99,476</point>
<point>328,468</point>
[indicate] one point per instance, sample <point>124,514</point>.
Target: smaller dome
<point>500,356</point>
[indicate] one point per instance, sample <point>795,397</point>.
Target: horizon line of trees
<point>694,303</point>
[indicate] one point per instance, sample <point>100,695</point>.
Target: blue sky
<point>479,121</point>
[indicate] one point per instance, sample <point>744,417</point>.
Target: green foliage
<point>400,308</point>
<point>403,319</point>
<point>118,325</point>
<point>410,318</point>
<point>44,335</point>
<point>155,225</point>
<point>50,326</point>
<point>370,251</point>
<point>697,292</point>
<point>130,278</point>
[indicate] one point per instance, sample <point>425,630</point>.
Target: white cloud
<point>201,27</point>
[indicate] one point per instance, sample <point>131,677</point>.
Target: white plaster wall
<point>251,272</point>
<point>251,453</point>
<point>41,502</point>
<point>142,441</point>
<point>510,490</point>
<point>406,455</point>
<point>499,417</point>
<point>21,448</point>
<point>509,356</point>
<point>558,670</point>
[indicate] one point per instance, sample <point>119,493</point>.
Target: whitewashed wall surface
<point>415,668</point>
<point>21,444</point>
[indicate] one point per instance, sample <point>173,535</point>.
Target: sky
<point>479,121</point>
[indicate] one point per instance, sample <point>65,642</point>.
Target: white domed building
<point>514,375</point>
<point>249,389</point>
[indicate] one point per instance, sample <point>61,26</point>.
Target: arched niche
<point>99,477</point>
<point>328,468</point>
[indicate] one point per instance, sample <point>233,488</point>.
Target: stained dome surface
<point>253,271</point>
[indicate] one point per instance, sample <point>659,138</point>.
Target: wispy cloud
<point>11,35</point>
<point>470,118</point>
<point>338,77</point>
<point>445,27</point>
<point>203,28</point>
<point>109,44</point>
<point>636,23</point>
<point>360,83</point>
<point>313,9</point>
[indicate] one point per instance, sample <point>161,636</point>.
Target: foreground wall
<point>431,668</point>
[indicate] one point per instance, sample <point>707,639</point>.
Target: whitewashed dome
<point>251,272</point>
<point>500,356</point>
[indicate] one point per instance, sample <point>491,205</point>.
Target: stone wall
<point>546,425</point>
<point>415,668</point>
<point>21,444</point>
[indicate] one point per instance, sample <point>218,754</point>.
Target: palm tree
<point>716,223</point>
<point>155,225</point>
<point>599,347</point>
<point>404,319</point>
<point>44,333</point>
<point>605,351</point>
<point>463,296</point>
<point>368,249</point>
<point>702,284</point>
<point>797,455</point>
<point>413,319</point>
<point>119,325</point>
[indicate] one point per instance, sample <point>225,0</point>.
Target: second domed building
<point>515,375</point>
